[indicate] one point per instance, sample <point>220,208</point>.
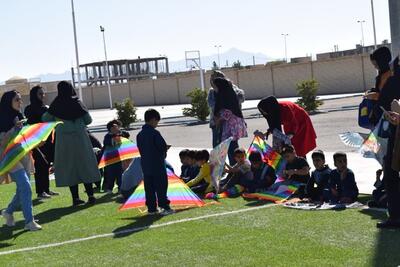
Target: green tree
<point>199,108</point>
<point>126,112</point>
<point>307,90</point>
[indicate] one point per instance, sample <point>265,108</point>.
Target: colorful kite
<point>270,156</point>
<point>23,141</point>
<point>276,193</point>
<point>178,193</point>
<point>217,162</point>
<point>126,149</point>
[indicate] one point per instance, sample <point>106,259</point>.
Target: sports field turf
<point>268,236</point>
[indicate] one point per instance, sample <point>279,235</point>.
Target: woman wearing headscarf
<point>10,122</point>
<point>43,156</point>
<point>295,120</point>
<point>229,116</point>
<point>74,160</point>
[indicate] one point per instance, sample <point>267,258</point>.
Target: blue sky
<point>37,37</point>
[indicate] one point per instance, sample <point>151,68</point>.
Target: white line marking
<point>127,231</point>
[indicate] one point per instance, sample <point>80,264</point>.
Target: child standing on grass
<point>153,151</point>
<point>264,175</point>
<point>113,172</point>
<point>240,173</point>
<point>343,184</point>
<point>317,188</point>
<point>201,184</point>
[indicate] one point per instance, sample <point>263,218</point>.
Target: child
<point>317,188</point>
<point>264,175</point>
<point>183,155</point>
<point>343,184</point>
<point>153,151</point>
<point>113,172</point>
<point>297,168</point>
<point>194,168</point>
<point>201,184</point>
<point>240,173</point>
<point>379,196</point>
<point>98,151</point>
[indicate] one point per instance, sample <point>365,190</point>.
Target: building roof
<point>122,61</point>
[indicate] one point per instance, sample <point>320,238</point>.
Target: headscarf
<point>67,105</point>
<point>8,115</point>
<point>37,108</point>
<point>226,98</point>
<point>382,56</point>
<point>271,106</point>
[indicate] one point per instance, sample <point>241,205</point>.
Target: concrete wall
<point>335,76</point>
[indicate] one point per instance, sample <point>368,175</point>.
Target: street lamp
<point>219,62</point>
<point>108,70</point>
<point>373,23</point>
<point>362,31</point>
<point>285,35</point>
<point>76,50</point>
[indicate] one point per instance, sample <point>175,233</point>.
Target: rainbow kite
<point>270,156</point>
<point>178,193</point>
<point>126,149</point>
<point>23,141</point>
<point>276,193</point>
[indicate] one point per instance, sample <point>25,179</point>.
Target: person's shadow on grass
<point>387,243</point>
<point>139,224</point>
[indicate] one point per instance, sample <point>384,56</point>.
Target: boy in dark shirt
<point>153,151</point>
<point>317,188</point>
<point>113,172</point>
<point>194,168</point>
<point>343,184</point>
<point>297,168</point>
<point>264,175</point>
<point>183,156</point>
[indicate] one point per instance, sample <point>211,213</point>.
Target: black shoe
<point>389,224</point>
<point>77,202</point>
<point>91,200</point>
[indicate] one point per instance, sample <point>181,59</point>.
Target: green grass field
<point>270,236</point>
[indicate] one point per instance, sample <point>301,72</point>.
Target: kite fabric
<point>23,141</point>
<point>323,206</point>
<point>277,192</point>
<point>217,162</point>
<point>126,149</point>
<point>178,193</point>
<point>232,192</point>
<point>273,158</point>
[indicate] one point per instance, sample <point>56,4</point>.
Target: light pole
<point>285,35</point>
<point>373,23</point>
<point>108,70</point>
<point>76,50</point>
<point>362,31</point>
<point>219,61</point>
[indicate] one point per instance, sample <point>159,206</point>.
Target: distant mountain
<point>227,59</point>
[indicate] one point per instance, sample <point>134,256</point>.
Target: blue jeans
<point>23,196</point>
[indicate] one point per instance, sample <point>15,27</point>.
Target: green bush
<point>307,90</point>
<point>199,109</point>
<point>126,112</point>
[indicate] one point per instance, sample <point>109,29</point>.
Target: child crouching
<point>201,184</point>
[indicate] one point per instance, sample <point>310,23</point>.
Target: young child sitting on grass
<point>264,175</point>
<point>113,172</point>
<point>153,151</point>
<point>240,173</point>
<point>342,182</point>
<point>201,184</point>
<point>183,156</point>
<point>379,196</point>
<point>317,188</point>
<point>193,169</point>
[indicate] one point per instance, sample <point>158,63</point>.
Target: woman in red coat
<point>295,121</point>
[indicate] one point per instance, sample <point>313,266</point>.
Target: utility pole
<point>107,68</point>
<point>362,31</point>
<point>373,23</point>
<point>285,35</point>
<point>76,51</point>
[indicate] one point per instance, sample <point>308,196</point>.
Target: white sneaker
<point>9,218</point>
<point>167,212</point>
<point>33,226</point>
<point>153,212</point>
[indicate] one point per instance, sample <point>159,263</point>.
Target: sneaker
<point>153,212</point>
<point>109,192</point>
<point>33,226</point>
<point>91,200</point>
<point>9,218</point>
<point>52,193</point>
<point>77,202</point>
<point>167,212</point>
<point>43,195</point>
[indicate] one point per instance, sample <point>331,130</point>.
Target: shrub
<point>199,109</point>
<point>307,90</point>
<point>126,112</point>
